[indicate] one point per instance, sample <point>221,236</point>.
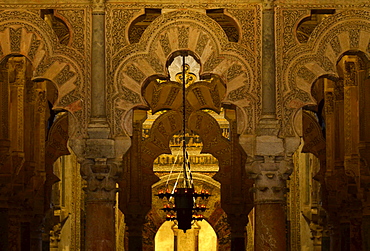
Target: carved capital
<point>55,235</point>
<point>98,6</point>
<point>270,174</point>
<point>268,4</point>
<point>101,175</point>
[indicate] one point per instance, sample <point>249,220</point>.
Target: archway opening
<point>200,237</point>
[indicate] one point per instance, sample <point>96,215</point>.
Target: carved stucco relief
<point>174,31</point>
<point>301,64</point>
<point>26,33</point>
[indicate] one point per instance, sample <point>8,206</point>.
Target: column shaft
<point>270,176</point>
<point>98,66</point>
<point>270,231</point>
<point>237,243</point>
<point>268,62</point>
<point>100,229</point>
<point>4,229</point>
<point>101,176</point>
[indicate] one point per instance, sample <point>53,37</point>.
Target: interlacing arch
<point>336,35</point>
<point>190,31</point>
<point>25,33</point>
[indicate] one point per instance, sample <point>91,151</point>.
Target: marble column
<point>268,60</point>
<point>101,175</point>
<point>270,174</point>
<point>98,107</point>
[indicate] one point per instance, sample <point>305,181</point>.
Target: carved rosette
<point>270,175</point>
<point>101,175</point>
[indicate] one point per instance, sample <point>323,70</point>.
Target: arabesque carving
<point>330,39</point>
<point>205,38</point>
<point>27,34</point>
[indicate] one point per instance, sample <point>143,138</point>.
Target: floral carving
<point>194,31</point>
<point>329,32</point>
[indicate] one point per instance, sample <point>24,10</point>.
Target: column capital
<point>54,236</point>
<point>101,175</point>
<point>270,174</point>
<point>98,6</point>
<point>268,4</point>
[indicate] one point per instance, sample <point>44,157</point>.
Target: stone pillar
<point>36,232</point>
<point>338,121</point>
<point>352,162</point>
<point>175,237</point>
<point>268,60</point>
<point>14,229</point>
<point>270,174</point>
<point>351,118</point>
<point>196,228</point>
<point>4,115</point>
<point>334,232</point>
<point>135,223</point>
<point>25,236</point>
<point>101,175</point>
<point>98,61</point>
<point>4,229</point>
<point>356,227</point>
<point>366,232</point>
<point>330,127</point>
<point>238,225</point>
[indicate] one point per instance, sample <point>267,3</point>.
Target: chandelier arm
<point>177,180</point>
<point>189,174</point>
<point>186,179</point>
<point>173,166</point>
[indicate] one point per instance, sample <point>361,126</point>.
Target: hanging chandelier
<point>183,204</point>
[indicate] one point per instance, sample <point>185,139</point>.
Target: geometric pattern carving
<point>76,19</point>
<point>335,45</point>
<point>27,34</point>
<point>15,39</point>
<point>328,41</point>
<point>201,35</point>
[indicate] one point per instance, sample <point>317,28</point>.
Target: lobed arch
<point>25,33</point>
<point>347,31</point>
<point>183,30</point>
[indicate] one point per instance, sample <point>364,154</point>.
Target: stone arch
<point>333,37</point>
<point>176,31</point>
<point>25,33</point>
